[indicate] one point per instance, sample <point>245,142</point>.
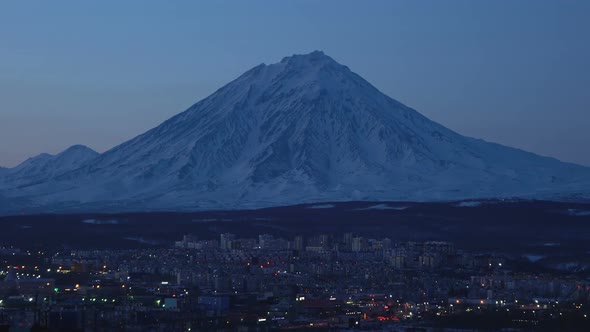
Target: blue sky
<point>99,73</point>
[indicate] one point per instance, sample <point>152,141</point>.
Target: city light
<point>317,277</point>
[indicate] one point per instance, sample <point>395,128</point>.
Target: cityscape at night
<point>303,165</point>
<point>326,282</point>
<point>282,269</point>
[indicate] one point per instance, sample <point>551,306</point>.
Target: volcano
<point>306,129</point>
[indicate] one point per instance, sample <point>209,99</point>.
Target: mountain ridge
<point>46,166</point>
<point>302,130</point>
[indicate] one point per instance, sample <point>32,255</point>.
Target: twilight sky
<point>99,73</point>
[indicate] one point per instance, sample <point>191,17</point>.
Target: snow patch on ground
<point>142,240</point>
<point>578,213</point>
<point>384,207</point>
<point>212,220</point>
<point>468,204</point>
<point>321,206</point>
<point>534,258</point>
<point>271,226</point>
<point>101,222</point>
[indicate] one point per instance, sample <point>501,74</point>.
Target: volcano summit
<point>306,129</point>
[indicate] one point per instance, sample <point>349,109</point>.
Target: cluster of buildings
<point>323,282</point>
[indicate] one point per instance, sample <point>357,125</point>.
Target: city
<point>327,282</point>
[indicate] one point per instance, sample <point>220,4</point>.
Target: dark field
<point>497,225</point>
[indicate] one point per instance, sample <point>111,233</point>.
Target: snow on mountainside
<point>45,166</point>
<point>306,129</point>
